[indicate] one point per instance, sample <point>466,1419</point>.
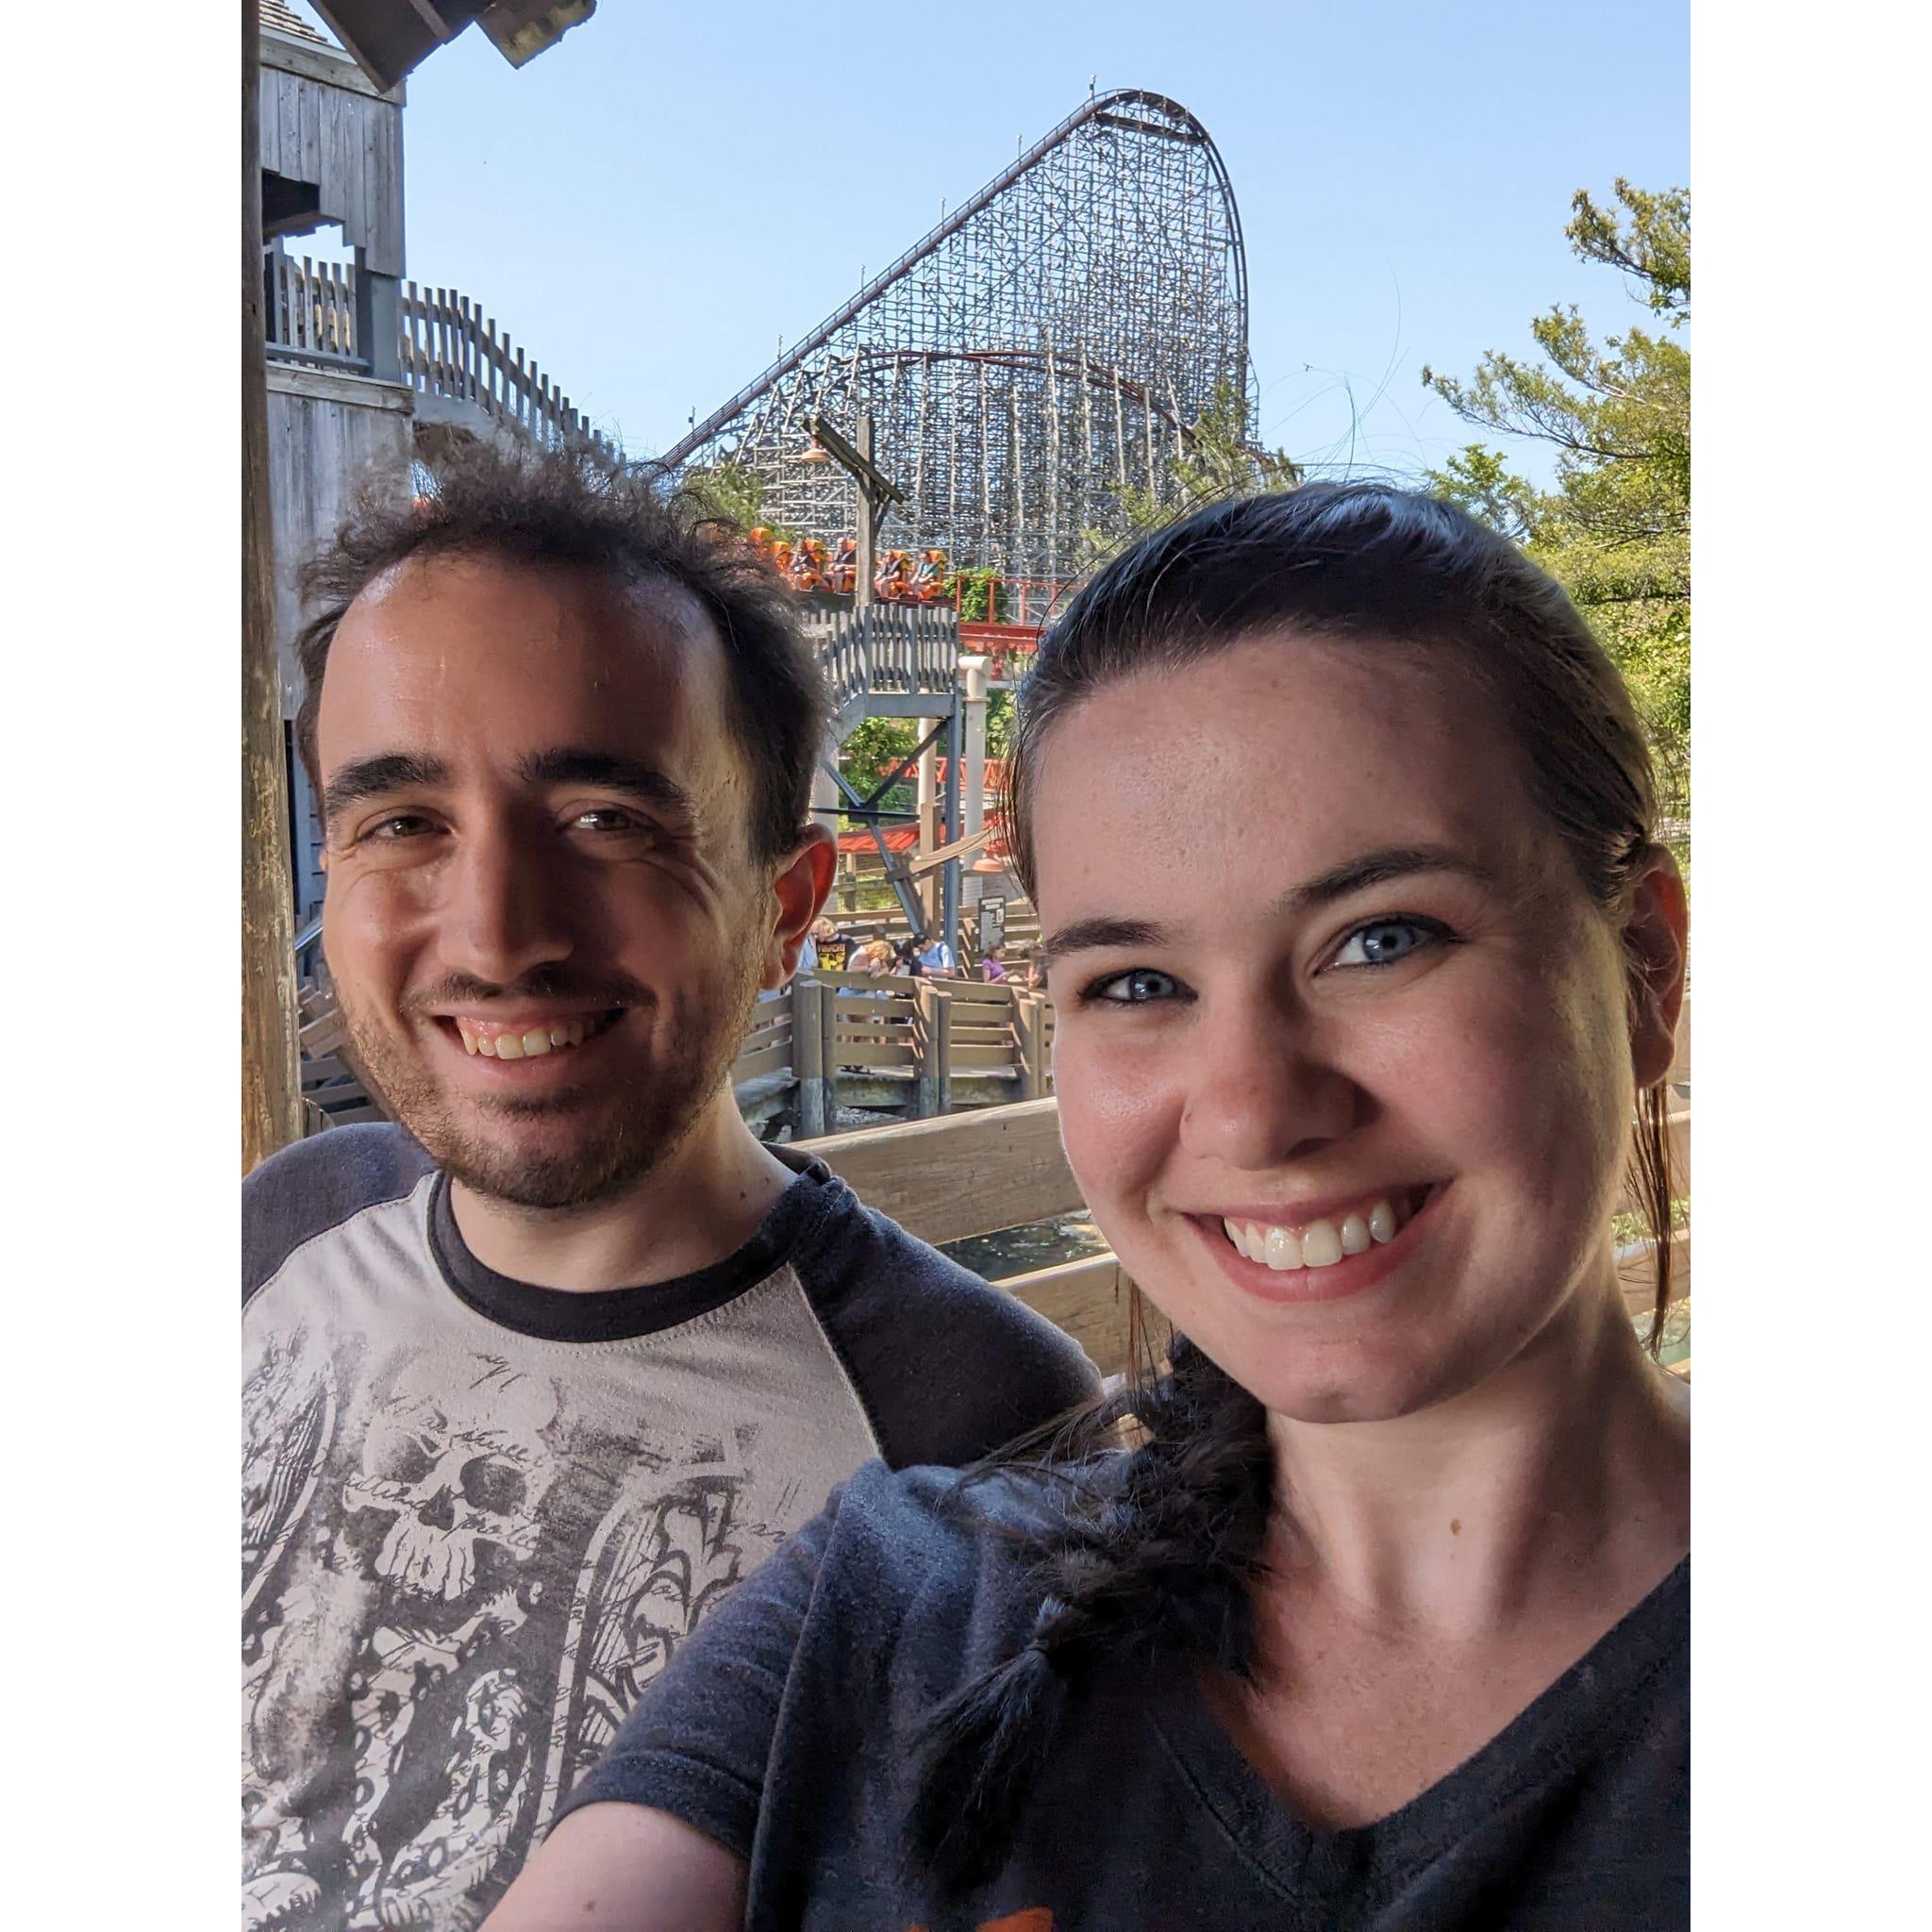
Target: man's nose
<point>504,914</point>
<point>1262,1089</point>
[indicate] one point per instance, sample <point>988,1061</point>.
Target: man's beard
<point>616,1147</point>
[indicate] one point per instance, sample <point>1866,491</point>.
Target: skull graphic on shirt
<point>457,1464</point>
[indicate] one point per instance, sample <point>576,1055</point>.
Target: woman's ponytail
<point>1152,1558</point>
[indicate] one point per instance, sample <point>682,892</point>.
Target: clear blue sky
<point>651,204</point>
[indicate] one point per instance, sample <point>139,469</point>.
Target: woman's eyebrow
<point>1353,876</point>
<point>1377,868</point>
<point>373,776</point>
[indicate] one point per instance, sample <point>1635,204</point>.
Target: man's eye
<point>607,818</point>
<point>1139,987</point>
<point>1384,942</point>
<point>400,825</point>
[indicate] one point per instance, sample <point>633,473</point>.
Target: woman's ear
<point>1655,940</point>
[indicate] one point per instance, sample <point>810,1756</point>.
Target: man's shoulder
<point>318,1184</point>
<point>948,1367</point>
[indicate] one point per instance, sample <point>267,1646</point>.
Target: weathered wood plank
<point>766,1060</point>
<point>964,1175</point>
<point>847,1009</point>
<point>980,1058</point>
<point>1087,1300</point>
<point>866,1053</point>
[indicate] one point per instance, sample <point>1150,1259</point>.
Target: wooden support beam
<point>932,1028</point>
<point>960,848</point>
<point>809,1058</point>
<point>272,1114</point>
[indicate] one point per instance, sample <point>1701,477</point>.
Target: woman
<point>1340,826</point>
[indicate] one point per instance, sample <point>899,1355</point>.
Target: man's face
<point>542,916</point>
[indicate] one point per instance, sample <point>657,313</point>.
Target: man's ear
<point>1655,941</point>
<point>800,887</point>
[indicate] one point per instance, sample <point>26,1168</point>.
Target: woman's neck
<point>1563,1476</point>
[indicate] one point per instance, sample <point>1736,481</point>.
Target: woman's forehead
<point>1270,760</point>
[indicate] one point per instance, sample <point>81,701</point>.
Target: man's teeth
<point>1320,1244</point>
<point>523,1046</point>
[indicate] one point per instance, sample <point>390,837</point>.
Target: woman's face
<point>1343,1061</point>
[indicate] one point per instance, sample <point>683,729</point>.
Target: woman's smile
<point>1318,1253</point>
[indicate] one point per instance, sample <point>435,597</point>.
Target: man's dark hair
<point>576,511</point>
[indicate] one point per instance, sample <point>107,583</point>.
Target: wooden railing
<point>446,346</point>
<point>309,313</point>
<point>451,348</point>
<point>915,1047</point>
<point>890,650</point>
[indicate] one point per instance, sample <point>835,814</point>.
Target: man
<point>936,958</point>
<point>529,1385</point>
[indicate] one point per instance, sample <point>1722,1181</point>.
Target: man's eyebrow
<point>372,777</point>
<point>1353,876</point>
<point>610,770</point>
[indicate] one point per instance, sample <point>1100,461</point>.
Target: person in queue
<point>1378,1619</point>
<point>535,1378</point>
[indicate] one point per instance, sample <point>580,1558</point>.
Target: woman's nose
<point>1261,1091</point>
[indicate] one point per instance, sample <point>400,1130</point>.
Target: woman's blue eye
<point>1135,989</point>
<point>1384,942</point>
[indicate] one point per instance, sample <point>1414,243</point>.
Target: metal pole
<point>949,904</point>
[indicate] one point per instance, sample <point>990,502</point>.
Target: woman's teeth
<point>1320,1244</point>
<point>523,1046</point>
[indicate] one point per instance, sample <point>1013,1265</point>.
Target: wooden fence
<point>451,348</point>
<point>918,1048</point>
<point>446,344</point>
<point>889,650</point>
<point>310,312</point>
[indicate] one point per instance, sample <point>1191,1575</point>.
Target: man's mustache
<point>462,988</point>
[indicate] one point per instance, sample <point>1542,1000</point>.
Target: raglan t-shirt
<point>479,1516</point>
<point>785,1731</point>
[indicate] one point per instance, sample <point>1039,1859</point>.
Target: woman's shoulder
<point>935,1545</point>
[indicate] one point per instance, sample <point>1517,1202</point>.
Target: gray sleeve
<point>696,1744</point>
<point>316,1185</point>
<point>947,1368</point>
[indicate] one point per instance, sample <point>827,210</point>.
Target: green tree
<point>999,724</point>
<point>1615,529</point>
<point>1218,461</point>
<point>872,749</point>
<point>981,595</point>
<point>726,491</point>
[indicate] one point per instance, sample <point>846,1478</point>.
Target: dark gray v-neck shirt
<point>782,1730</point>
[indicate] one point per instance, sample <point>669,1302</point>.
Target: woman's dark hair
<point>1154,1552</point>
<point>574,509</point>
